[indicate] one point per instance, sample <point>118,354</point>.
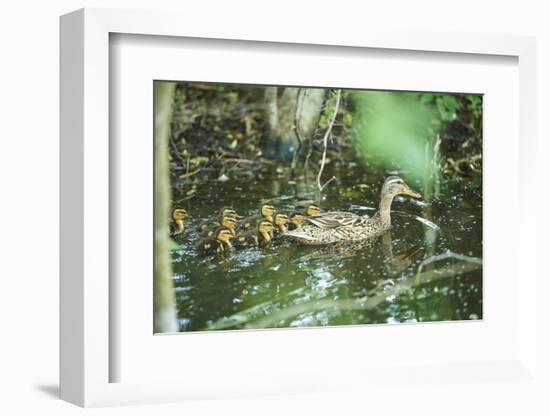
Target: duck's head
<point>229,222</point>
<point>297,219</point>
<point>224,234</point>
<point>179,214</point>
<point>265,228</point>
<point>280,219</point>
<point>228,212</point>
<point>312,209</point>
<point>394,185</point>
<point>267,210</point>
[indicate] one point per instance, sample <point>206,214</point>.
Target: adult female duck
<point>332,227</point>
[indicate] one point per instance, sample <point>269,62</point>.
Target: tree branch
<point>325,144</point>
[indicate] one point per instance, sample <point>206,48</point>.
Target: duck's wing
<point>335,219</point>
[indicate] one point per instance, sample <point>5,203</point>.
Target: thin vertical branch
<point>325,144</point>
<point>164,299</point>
<point>437,166</point>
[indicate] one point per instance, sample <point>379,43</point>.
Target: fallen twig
<point>327,182</point>
<point>189,174</point>
<point>248,161</point>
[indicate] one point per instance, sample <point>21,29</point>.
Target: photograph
<point>281,206</point>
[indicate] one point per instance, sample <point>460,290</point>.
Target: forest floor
<point>220,132</point>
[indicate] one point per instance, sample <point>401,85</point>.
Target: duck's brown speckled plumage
<point>332,227</point>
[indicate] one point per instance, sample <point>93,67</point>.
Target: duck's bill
<point>410,192</point>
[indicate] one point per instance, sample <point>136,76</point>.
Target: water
<point>427,268</point>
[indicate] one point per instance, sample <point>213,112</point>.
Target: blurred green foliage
<point>328,111</point>
<point>399,131</point>
<point>392,129</point>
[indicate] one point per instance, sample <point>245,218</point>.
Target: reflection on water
<point>427,268</point>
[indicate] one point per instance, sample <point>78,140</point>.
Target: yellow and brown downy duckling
<point>280,222</point>
<point>229,222</point>
<point>260,237</point>
<point>312,209</point>
<point>223,213</point>
<point>220,243</point>
<point>266,212</point>
<point>177,227</point>
<point>296,220</point>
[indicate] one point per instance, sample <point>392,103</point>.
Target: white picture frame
<point>86,353</point>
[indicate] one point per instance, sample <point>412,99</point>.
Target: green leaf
<point>450,103</point>
<point>348,119</point>
<point>426,98</point>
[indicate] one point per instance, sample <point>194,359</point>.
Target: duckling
<point>229,222</point>
<point>260,237</point>
<point>228,212</point>
<point>220,243</point>
<point>312,209</point>
<point>223,213</point>
<point>177,227</point>
<point>266,212</point>
<point>280,222</point>
<point>308,207</point>
<point>296,220</point>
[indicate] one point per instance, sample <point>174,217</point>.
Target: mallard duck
<point>280,222</point>
<point>220,243</point>
<point>266,212</point>
<point>223,213</point>
<point>296,220</point>
<point>259,237</point>
<point>177,227</point>
<point>331,227</point>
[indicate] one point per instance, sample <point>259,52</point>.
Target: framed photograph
<point>263,206</point>
<point>273,214</point>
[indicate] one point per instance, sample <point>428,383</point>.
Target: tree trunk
<point>271,107</point>
<point>164,299</point>
<point>300,107</point>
